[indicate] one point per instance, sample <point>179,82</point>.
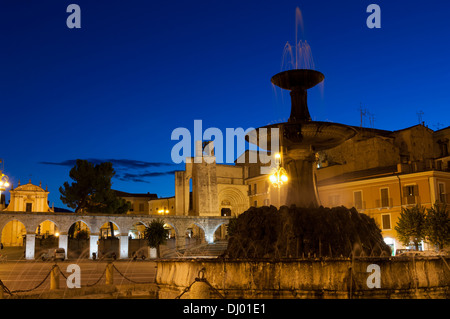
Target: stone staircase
<point>203,250</point>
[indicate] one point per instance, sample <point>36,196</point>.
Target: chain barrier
<point>28,290</point>
<point>201,278</point>
<point>131,280</point>
<point>9,292</point>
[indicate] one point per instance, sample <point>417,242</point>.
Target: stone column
<point>180,241</point>
<point>63,242</point>
<point>30,242</point>
<point>93,245</point>
<point>123,246</point>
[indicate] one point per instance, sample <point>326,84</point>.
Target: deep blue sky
<point>136,70</point>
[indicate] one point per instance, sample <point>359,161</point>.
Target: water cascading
<point>300,137</point>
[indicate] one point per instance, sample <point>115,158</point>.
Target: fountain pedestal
<point>299,165</point>
<point>302,138</point>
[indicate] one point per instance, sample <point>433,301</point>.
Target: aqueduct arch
<point>124,223</point>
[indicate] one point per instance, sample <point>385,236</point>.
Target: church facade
<point>26,198</point>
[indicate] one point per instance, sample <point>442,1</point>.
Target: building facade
<point>27,198</point>
<point>378,172</point>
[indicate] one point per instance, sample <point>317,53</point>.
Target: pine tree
<point>411,226</point>
<point>437,224</point>
<point>91,190</point>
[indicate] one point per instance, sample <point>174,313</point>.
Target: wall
<point>400,277</point>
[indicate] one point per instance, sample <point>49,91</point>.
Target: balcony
<point>384,203</point>
<point>411,200</point>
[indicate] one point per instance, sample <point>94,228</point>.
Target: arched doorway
<point>78,240</point>
<point>137,244</point>
<point>13,234</point>
<point>47,237</point>
<point>232,201</point>
<point>109,243</point>
<point>13,239</point>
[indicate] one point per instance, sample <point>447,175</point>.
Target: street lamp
<point>278,177</point>
<point>4,182</point>
<point>163,211</point>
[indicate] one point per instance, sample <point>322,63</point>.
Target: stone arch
<point>233,199</point>
<point>39,222</point>
<point>65,227</point>
<point>174,226</point>
<point>46,236</point>
<point>12,231</point>
<point>115,225</point>
<point>76,246</point>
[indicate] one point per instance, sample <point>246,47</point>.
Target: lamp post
<point>4,183</point>
<point>278,177</point>
<point>164,211</point>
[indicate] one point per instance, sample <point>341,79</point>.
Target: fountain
<point>300,137</point>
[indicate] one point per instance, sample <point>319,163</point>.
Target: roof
<point>417,125</point>
<point>358,175</point>
<point>28,188</point>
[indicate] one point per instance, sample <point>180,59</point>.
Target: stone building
<point>378,172</point>
<point>206,188</point>
<point>26,198</point>
<point>139,202</point>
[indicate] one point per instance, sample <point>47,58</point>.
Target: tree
<point>437,225</point>
<point>91,190</point>
<point>411,226</point>
<point>156,235</point>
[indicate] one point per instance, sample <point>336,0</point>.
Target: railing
<point>54,273</point>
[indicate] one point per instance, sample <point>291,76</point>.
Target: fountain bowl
<point>297,79</point>
<point>319,135</point>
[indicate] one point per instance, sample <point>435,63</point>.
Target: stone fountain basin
<point>319,135</point>
<point>297,79</point>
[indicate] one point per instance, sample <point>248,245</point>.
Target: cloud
<point>127,170</point>
<point>122,163</point>
<point>140,177</point>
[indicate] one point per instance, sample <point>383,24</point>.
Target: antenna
<point>419,116</point>
<point>362,114</point>
<point>371,119</point>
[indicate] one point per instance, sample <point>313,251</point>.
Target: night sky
<point>115,89</point>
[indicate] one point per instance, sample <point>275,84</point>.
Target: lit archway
<point>13,234</point>
<point>78,240</point>
<point>47,237</point>
<point>109,243</point>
